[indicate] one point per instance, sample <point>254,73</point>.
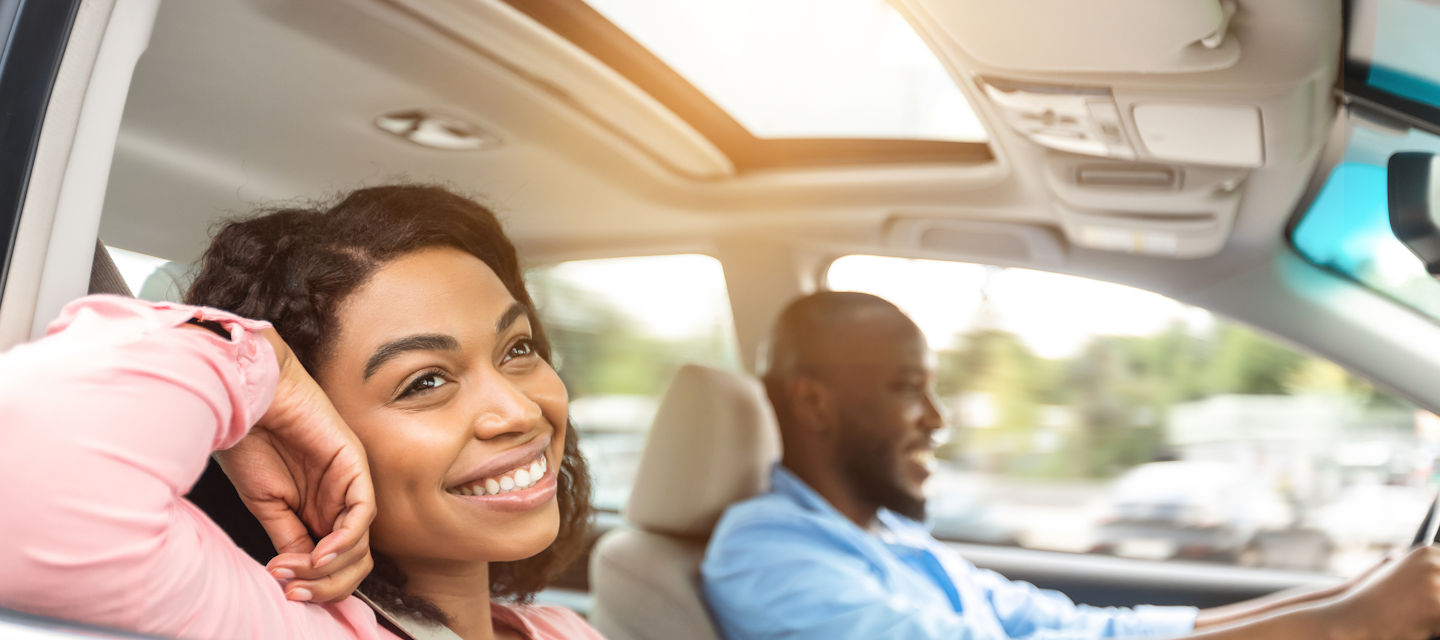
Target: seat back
<point>712,444</point>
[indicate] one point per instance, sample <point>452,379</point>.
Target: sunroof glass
<point>805,68</point>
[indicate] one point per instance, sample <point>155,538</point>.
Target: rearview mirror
<point>1413,180</point>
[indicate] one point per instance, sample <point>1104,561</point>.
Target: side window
<point>620,329</point>
<point>151,278</point>
<point>1095,418</point>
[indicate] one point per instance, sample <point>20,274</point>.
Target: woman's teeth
<point>518,478</point>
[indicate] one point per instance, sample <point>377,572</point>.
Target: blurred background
<point>1086,416</point>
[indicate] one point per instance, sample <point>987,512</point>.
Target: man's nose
<point>934,417</point>
<point>936,421</point>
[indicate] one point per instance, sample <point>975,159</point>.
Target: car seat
<point>712,443</point>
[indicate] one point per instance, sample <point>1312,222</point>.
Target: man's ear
<point>812,404</point>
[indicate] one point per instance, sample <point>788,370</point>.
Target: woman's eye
<point>427,382</point>
<point>522,348</point>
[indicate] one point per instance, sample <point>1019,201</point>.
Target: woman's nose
<point>502,408</point>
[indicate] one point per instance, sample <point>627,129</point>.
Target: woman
<point>404,350</point>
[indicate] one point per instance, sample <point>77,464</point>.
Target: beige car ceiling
<point>243,102</point>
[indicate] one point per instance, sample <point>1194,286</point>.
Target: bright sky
<point>804,68</point>
<point>1054,314</point>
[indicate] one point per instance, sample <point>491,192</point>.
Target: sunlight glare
<point>1054,314</point>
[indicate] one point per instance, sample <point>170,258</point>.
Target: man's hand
<point>301,470</point>
<point>1363,577</point>
<point>1400,599</point>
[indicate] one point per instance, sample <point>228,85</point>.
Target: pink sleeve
<point>104,425</point>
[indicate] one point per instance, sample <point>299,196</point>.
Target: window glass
<point>620,328</point>
<point>805,68</point>
<point>1347,227</point>
<point>1093,417</point>
<point>149,277</point>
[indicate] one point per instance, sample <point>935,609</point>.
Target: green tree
<point>997,363</point>
<point>601,350</point>
<point>1120,394</point>
<point>1246,362</point>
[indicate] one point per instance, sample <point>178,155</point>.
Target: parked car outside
<point>1373,516</point>
<point>1190,510</point>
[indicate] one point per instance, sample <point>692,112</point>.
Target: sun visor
<point>1113,36</point>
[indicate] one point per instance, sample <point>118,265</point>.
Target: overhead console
<point>1180,211</point>
<point>1088,120</point>
<point>1146,120</point>
<point>1179,194</point>
<point>1158,176</point>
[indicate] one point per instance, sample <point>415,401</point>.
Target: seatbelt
<point>407,627</point>
<point>105,276</point>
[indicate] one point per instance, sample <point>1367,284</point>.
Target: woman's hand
<point>301,470</point>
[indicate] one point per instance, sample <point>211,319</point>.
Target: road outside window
<point>1095,418</point>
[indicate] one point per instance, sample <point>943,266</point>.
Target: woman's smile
<point>518,480</point>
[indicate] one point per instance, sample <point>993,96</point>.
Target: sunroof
<point>805,68</point>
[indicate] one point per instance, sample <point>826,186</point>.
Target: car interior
<point>1224,157</point>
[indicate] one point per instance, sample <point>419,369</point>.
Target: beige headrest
<point>712,443</point>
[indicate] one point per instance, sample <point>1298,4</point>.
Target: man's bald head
<point>850,378</point>
<point>825,329</point>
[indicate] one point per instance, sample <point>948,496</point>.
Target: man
<point>836,550</point>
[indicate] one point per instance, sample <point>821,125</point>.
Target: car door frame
<point>64,78</point>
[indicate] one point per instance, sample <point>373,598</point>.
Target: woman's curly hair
<point>294,268</point>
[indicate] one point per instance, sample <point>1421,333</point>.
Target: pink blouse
<point>105,424</point>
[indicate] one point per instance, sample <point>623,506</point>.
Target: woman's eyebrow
<point>418,342</point>
<point>509,317</point>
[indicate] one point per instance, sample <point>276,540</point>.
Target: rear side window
<point>620,328</point>
<point>1091,417</point>
<point>151,278</point>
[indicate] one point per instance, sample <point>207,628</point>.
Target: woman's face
<point>435,370</point>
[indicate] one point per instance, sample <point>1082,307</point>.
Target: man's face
<point>885,414</point>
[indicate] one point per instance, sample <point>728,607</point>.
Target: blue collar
<point>907,532</point>
<point>784,482</point>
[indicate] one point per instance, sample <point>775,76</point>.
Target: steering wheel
<point>1429,532</point>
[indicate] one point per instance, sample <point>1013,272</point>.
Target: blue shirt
<point>786,564</point>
